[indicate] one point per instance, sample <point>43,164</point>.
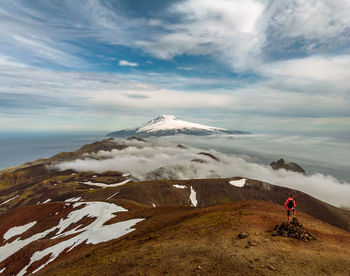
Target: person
<point>290,206</point>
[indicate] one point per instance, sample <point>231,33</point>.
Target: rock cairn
<point>293,229</point>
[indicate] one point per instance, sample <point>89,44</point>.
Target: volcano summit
<point>168,125</point>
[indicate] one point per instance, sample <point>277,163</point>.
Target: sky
<point>253,65</point>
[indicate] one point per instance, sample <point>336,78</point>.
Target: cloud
<point>308,26</point>
<point>48,35</point>
<point>127,63</point>
<point>162,98</point>
<point>245,34</point>
<point>314,71</point>
<point>8,61</point>
<point>185,68</point>
<point>225,29</point>
<point>240,33</point>
<point>140,160</point>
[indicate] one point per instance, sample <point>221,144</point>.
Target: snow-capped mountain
<point>168,125</point>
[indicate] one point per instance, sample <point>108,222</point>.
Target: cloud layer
<point>143,160</point>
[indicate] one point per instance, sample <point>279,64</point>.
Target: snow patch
<point>93,233</point>
<point>73,199</point>
<point>2,270</point>
<point>238,183</point>
<point>104,185</point>
<point>125,175</point>
<point>113,195</point>
<point>18,230</point>
<point>9,200</point>
<point>154,205</point>
<point>180,186</point>
<point>48,200</point>
<point>193,197</point>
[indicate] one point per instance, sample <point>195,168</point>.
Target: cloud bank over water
<point>156,160</point>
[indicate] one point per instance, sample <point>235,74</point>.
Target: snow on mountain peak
<point>170,122</point>
<point>161,118</point>
<point>168,125</point>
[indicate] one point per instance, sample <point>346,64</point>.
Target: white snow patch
<point>193,197</point>
<point>238,183</point>
<point>9,200</point>
<point>93,233</point>
<point>73,174</point>
<point>2,270</point>
<point>94,176</point>
<point>73,199</point>
<point>48,200</point>
<point>18,230</point>
<point>125,175</point>
<point>56,213</point>
<point>104,185</point>
<point>154,205</point>
<point>180,186</point>
<point>113,195</point>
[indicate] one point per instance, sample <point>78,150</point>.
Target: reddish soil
<point>189,241</point>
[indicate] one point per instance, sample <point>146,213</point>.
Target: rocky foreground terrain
<point>67,222</point>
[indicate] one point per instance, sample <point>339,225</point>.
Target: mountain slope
<point>167,125</point>
<point>192,241</point>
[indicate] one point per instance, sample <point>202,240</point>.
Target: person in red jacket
<point>290,206</point>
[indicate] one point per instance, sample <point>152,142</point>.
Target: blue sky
<point>254,65</point>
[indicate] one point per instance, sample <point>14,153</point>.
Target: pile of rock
<point>293,229</point>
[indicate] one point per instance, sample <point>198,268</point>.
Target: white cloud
<point>320,20</point>
<point>40,50</point>
<point>225,29</point>
<point>326,70</point>
<point>8,61</point>
<point>243,34</point>
<point>185,68</point>
<point>140,160</point>
<point>127,63</point>
<point>162,98</point>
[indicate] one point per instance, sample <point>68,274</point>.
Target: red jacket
<point>286,204</point>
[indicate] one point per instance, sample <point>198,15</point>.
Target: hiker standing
<point>290,206</point>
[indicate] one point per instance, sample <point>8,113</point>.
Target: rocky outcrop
<point>135,138</point>
<point>198,160</point>
<point>210,156</point>
<point>281,164</point>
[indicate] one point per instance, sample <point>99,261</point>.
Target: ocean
<point>18,148</point>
